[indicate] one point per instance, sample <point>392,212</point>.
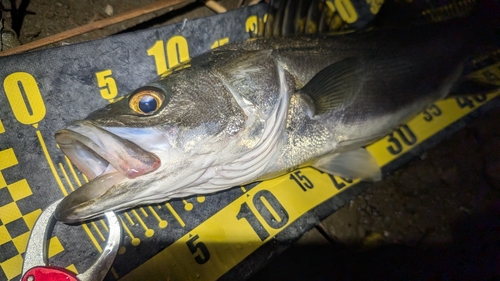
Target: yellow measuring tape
<point>225,239</point>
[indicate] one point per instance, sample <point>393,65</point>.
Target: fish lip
<point>108,160</point>
<point>91,200</point>
<point>100,144</point>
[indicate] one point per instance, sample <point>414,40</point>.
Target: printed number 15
<point>301,180</point>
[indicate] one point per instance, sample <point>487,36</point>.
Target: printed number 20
<point>346,10</point>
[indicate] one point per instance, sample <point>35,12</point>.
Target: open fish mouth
<point>106,160</point>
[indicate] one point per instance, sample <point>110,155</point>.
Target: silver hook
<point>37,249</point>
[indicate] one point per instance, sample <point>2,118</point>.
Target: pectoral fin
<point>353,164</point>
<point>334,86</point>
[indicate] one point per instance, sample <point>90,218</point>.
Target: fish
<point>254,110</point>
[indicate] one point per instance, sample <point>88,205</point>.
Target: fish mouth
<point>106,160</point>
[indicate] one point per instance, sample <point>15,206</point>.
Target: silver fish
<point>257,109</point>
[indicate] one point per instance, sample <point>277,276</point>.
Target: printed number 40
<point>470,102</point>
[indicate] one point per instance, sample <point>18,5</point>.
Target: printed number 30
<point>202,257</point>
<point>403,135</point>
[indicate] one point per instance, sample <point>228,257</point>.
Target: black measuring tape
<point>202,237</point>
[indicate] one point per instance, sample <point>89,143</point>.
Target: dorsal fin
<point>403,13</point>
<point>334,86</point>
<point>294,17</point>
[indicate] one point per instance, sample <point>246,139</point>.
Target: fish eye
<point>146,101</point>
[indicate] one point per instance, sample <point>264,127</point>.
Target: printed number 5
<point>204,256</point>
<point>107,84</point>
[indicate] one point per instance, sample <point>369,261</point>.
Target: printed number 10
<point>24,97</point>
<point>175,52</point>
<point>270,210</point>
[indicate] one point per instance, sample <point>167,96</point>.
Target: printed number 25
<point>204,254</point>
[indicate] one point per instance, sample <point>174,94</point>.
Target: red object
<point>49,273</point>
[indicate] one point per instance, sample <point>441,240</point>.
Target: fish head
<point>150,145</point>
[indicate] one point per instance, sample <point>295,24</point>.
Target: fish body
<point>257,109</point>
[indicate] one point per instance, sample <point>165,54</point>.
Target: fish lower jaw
<point>108,178</point>
<point>81,204</point>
